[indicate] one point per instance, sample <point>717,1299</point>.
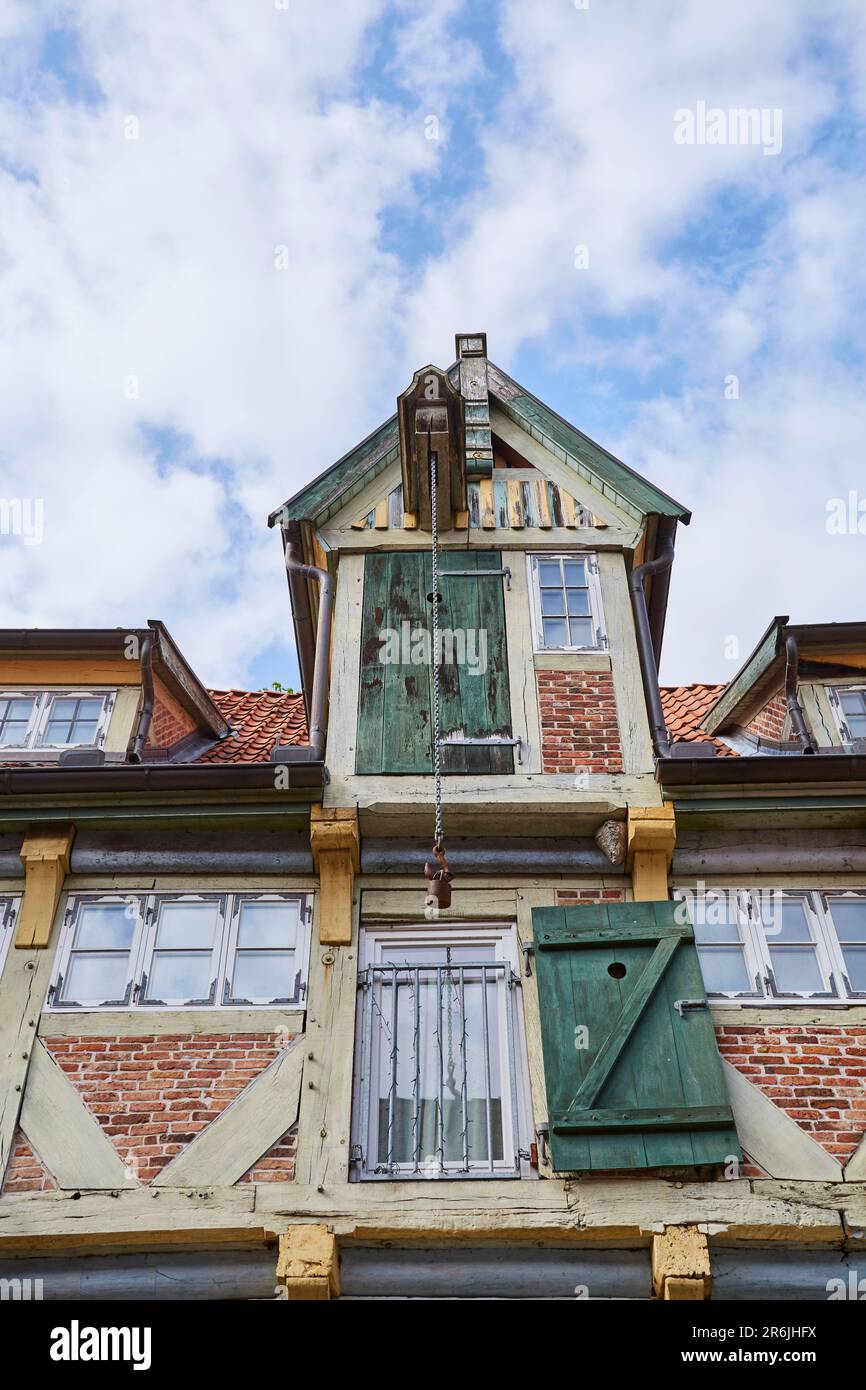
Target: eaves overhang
<point>792,770</point>
<point>304,779</point>
<point>763,672</point>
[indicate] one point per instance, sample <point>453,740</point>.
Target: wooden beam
<point>681,1263</point>
<point>600,1212</point>
<point>308,1266</point>
<point>220,1154</point>
<point>22,989</point>
<point>488,508</point>
<point>60,671</point>
<point>45,856</point>
<point>652,834</point>
<point>380,521</point>
<point>322,1158</point>
<point>336,844</point>
<point>515,504</point>
<point>66,1136</point>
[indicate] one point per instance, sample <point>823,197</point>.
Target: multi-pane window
<point>441,1066</point>
<point>847,911</point>
<point>9,904</point>
<point>566,602</point>
<point>16,717</point>
<point>849,702</point>
<point>43,719</point>
<point>778,944</point>
<point>171,950</point>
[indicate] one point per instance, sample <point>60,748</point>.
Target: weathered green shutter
<point>395,702</point>
<point>632,1080</point>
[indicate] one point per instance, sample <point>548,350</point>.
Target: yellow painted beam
<point>652,834</point>
<point>308,1265</point>
<point>515,504</point>
<point>335,841</point>
<point>45,856</point>
<point>681,1264</point>
<point>544,518</point>
<point>82,671</point>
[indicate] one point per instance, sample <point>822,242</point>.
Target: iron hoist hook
<point>438,879</point>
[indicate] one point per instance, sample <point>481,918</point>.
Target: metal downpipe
<point>296,566</point>
<point>648,667</point>
<point>798,722</point>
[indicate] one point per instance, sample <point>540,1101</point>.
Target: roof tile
<point>685,706</point>
<point>259,718</point>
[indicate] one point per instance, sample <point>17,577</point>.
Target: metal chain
<point>434,648</point>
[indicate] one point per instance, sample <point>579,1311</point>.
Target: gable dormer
<point>541,687</point>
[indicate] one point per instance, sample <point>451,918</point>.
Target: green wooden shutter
<point>395,701</point>
<point>647,1089</point>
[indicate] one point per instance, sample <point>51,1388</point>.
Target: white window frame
<point>515,1150</point>
<point>834,694</point>
<point>146,909</point>
<point>302,948</point>
<point>41,714</point>
<point>596,610</point>
<point>757,944</point>
<point>32,722</point>
<point>9,905</point>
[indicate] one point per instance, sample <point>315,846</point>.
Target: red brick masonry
<point>579,730</point>
<point>153,1094</point>
<point>769,722</point>
<point>816,1074</point>
<point>25,1171</point>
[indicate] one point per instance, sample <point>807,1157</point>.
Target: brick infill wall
<point>817,1075</point>
<point>152,1095</point>
<point>579,729</point>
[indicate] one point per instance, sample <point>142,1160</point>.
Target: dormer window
<point>42,720</point>
<point>566,603</point>
<point>849,702</point>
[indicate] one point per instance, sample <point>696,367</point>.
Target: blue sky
<point>169,385</point>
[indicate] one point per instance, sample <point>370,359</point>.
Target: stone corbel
<point>45,856</point>
<point>681,1264</point>
<point>652,834</point>
<point>335,841</point>
<point>308,1266</point>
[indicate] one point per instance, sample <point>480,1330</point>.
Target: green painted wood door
<point>395,697</point>
<point>632,1080</point>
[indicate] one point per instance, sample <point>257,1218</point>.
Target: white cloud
<point>156,258</point>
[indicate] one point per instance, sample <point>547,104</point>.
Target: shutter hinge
<point>684,1006</point>
<point>528,949</point>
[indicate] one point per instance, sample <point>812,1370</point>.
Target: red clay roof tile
<point>260,719</point>
<point>684,707</point>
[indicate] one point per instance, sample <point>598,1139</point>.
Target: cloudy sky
<point>230,232</point>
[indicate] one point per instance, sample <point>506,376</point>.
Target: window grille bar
<point>416,1085</point>
<point>440,1117</point>
<point>454,979</point>
<point>369,984</point>
<point>512,1065</point>
<point>392,1091</point>
<point>488,1102</point>
<point>464,1098</point>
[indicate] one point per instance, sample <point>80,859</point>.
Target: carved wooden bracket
<point>335,841</point>
<point>309,1263</point>
<point>45,856</point>
<point>652,835</point>
<point>681,1264</point>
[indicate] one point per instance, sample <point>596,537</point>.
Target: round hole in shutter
<point>617,970</point>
